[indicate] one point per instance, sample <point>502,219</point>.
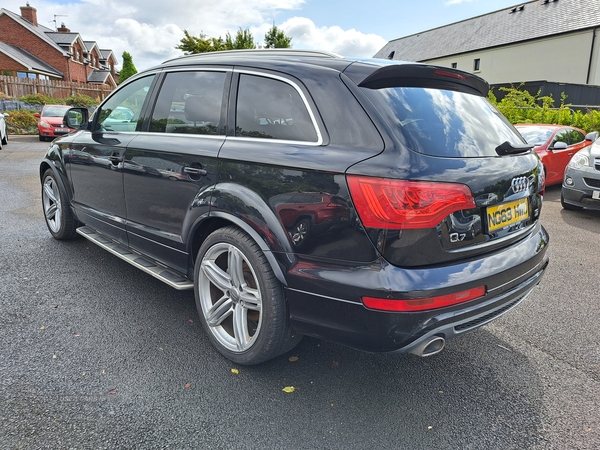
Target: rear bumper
<point>325,301</point>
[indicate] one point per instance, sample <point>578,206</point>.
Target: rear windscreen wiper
<point>506,148</point>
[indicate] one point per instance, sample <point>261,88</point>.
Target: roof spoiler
<point>426,76</point>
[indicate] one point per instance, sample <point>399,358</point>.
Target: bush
<point>522,107</point>
<point>21,122</point>
<point>39,99</point>
<point>80,100</point>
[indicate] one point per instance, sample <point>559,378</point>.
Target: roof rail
<point>262,52</point>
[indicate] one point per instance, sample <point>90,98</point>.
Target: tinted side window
<point>190,103</point>
<point>272,109</point>
<point>121,112</point>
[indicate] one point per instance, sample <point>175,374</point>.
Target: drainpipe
<point>587,80</point>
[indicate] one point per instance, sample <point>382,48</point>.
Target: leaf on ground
<point>335,364</point>
<point>188,385</point>
<point>42,327</point>
<point>293,358</point>
<point>112,391</point>
<point>54,356</point>
<point>288,389</point>
<point>76,335</point>
<point>235,371</point>
<point>190,320</point>
<point>429,427</point>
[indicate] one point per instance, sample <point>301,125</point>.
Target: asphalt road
<point>96,354</point>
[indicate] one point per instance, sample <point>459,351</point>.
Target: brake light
<point>447,73</point>
<point>401,204</point>
<point>423,304</point>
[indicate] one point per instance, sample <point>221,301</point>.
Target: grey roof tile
<point>98,76</point>
<point>63,38</point>
<point>28,60</point>
<point>537,19</point>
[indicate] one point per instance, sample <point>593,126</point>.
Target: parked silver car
<point>3,130</point>
<point>581,183</point>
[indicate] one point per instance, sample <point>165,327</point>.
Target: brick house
<point>30,50</point>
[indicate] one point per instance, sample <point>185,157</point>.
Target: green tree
<point>128,68</point>
<point>276,38</point>
<point>243,40</point>
<point>203,44</point>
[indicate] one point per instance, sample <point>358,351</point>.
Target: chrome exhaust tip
<point>429,347</point>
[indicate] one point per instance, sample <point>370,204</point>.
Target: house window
<point>477,65</point>
<point>31,75</point>
<point>454,65</point>
<point>21,74</point>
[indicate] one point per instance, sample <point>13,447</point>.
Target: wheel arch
<point>59,171</point>
<point>220,219</point>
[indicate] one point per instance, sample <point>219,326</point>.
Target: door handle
<point>195,171</point>
<point>115,159</point>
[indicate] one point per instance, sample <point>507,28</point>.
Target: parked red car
<point>555,145</point>
<point>50,122</point>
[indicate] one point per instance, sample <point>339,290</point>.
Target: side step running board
<point>165,275</point>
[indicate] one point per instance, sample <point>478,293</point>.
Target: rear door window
<point>269,108</point>
<point>444,123</point>
<point>190,103</point>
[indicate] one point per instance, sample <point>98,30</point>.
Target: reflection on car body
<point>307,214</point>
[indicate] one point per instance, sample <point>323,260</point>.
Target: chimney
<point>29,13</point>
<point>63,29</point>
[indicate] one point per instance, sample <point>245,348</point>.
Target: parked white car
<point>3,130</point>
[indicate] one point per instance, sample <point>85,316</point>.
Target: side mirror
<point>559,146</point>
<point>592,136</point>
<point>37,115</point>
<point>76,118</point>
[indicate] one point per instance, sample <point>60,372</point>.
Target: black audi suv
<point>420,218</point>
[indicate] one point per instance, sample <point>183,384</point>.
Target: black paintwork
<point>162,194</point>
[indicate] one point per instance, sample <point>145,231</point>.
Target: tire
<point>41,138</point>
<point>5,138</point>
<point>239,299</point>
<point>568,206</point>
<point>300,233</point>
<point>58,215</point>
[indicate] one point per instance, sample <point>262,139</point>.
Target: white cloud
<point>306,35</point>
<point>150,29</point>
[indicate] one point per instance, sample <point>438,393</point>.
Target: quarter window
<point>190,103</point>
<point>272,109</point>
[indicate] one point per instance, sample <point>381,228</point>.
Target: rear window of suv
<point>443,123</point>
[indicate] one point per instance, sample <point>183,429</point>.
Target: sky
<point>151,29</point>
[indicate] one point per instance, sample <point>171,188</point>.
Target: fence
<point>18,87</point>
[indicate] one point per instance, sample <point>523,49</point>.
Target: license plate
<point>61,130</point>
<point>505,214</point>
<point>596,195</point>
